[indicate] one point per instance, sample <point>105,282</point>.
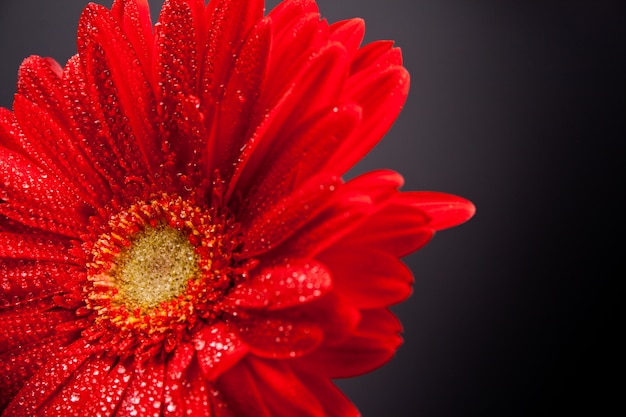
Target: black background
<point>519,107</point>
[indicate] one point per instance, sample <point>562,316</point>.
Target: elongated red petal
<point>241,92</point>
<point>124,102</point>
<point>444,210</point>
<point>381,95</point>
<point>280,336</point>
<point>36,247</point>
<point>144,394</point>
<point>348,32</point>
<point>399,229</point>
<point>315,87</point>
<point>20,364</point>
<point>334,402</point>
<point>241,392</point>
<point>26,327</point>
<point>55,369</point>
<point>218,349</point>
<point>274,220</point>
<point>229,22</point>
<point>134,19</point>
<point>80,396</point>
<point>283,391</point>
<point>373,344</point>
<point>282,286</point>
<point>368,278</point>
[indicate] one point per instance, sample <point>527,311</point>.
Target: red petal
<point>289,10</point>
<point>380,185</point>
<point>22,281</point>
<point>275,221</point>
<point>97,149</point>
<point>191,396</point>
<point>375,56</point>
<point>218,349</point>
<point>54,371</point>
<point>18,365</point>
<point>178,52</point>
<point>282,390</point>
<point>345,214</point>
<point>444,210</point>
<point>367,277</point>
<point>317,86</point>
<point>282,286</point>
<point>348,32</point>
<point>229,22</point>
<point>20,328</point>
<point>336,315</point>
<point>241,392</point>
<point>51,145</point>
<point>296,39</point>
<point>36,247</point>
<point>398,228</point>
<point>134,18</point>
<point>26,186</point>
<point>40,81</point>
<point>335,403</point>
<point>11,136</point>
<point>373,344</point>
<point>144,395</point>
<point>352,204</point>
<point>179,361</point>
<point>279,335</point>
<point>121,94</point>
<point>241,94</point>
<point>381,94</point>
<point>304,153</point>
<point>84,394</point>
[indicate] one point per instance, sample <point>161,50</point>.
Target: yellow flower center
<point>156,267</point>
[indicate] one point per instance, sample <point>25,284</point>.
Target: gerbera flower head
<point>175,235</point>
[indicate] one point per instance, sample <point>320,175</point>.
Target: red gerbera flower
<point>175,238</point>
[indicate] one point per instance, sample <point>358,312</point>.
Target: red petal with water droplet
<point>241,92</point>
<point>18,365</point>
<point>25,280</point>
<point>80,396</point>
<point>180,360</point>
<point>316,86</point>
<point>229,21</point>
<point>302,156</point>
<point>144,394</point>
<point>25,327</point>
<point>36,247</point>
<point>282,286</point>
<point>122,98</point>
<point>55,368</point>
<point>134,18</point>
<point>279,336</point>
<point>272,224</point>
<point>218,349</point>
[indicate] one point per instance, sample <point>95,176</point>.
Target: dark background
<point>519,107</point>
